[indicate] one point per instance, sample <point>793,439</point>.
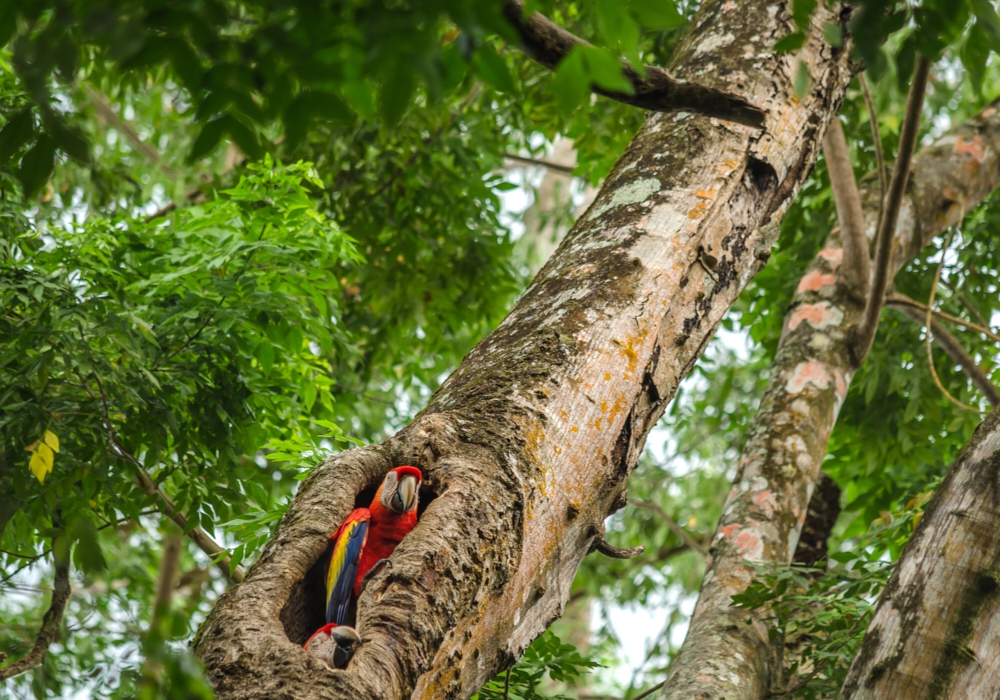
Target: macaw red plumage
<point>367,536</point>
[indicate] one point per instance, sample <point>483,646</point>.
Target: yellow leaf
<point>51,439</point>
<point>41,462</point>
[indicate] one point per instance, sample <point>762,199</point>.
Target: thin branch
<point>548,43</point>
<point>647,693</point>
<point>107,115</point>
<point>950,345</point>
<point>901,300</point>
<point>609,550</point>
<point>964,300</point>
<point>686,538</point>
<point>567,169</point>
<point>893,203</point>
<point>883,184</point>
<point>197,535</point>
<point>928,322</point>
<point>61,592</point>
<point>856,264</point>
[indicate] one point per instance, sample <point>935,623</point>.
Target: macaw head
<point>400,489</point>
<point>334,645</point>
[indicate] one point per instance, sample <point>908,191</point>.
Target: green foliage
<point>819,615</point>
<point>548,656</point>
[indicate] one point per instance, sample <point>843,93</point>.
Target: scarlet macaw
<point>367,537</point>
<point>334,645</point>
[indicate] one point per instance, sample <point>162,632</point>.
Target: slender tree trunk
<point>527,446</point>
<point>936,629</point>
<point>726,653</point>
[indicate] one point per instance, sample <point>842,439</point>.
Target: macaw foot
<point>374,570</point>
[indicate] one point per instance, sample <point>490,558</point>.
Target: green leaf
<point>975,53</point>
<point>656,14</point>
<point>570,85</point>
<point>265,355</point>
<point>37,164</point>
<point>244,137</point>
<point>492,69</point>
<point>15,133</point>
<point>802,11</point>
<point>605,70</point>
<point>802,80</point>
<point>986,17</point>
<point>88,552</point>
<point>833,34</point>
<point>397,93</point>
<point>207,139</point>
<point>790,42</point>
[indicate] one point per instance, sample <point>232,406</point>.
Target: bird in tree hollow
<point>366,538</point>
<point>333,645</point>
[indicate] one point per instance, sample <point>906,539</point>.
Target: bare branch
<point>901,300</point>
<point>856,265</point>
<point>893,202</point>
<point>107,115</point>
<point>548,43</point>
<point>609,550</point>
<point>949,343</point>
<point>883,184</point>
<point>61,593</point>
<point>568,170</point>
<point>152,669</point>
<point>686,538</point>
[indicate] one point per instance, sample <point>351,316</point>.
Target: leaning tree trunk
<point>527,446</point>
<point>936,630</point>
<point>726,654</point>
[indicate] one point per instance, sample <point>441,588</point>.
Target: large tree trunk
<point>726,653</point>
<point>527,446</point>
<point>936,628</point>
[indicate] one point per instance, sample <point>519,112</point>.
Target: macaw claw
<point>376,567</point>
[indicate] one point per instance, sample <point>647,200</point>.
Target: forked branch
<point>548,43</point>
<point>890,212</point>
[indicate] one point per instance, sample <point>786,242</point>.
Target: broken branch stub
<point>529,442</point>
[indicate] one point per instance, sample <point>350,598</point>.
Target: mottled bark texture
<point>726,653</point>
<point>936,629</point>
<point>527,446</point>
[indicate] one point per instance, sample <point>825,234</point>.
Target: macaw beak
<point>348,642</point>
<point>405,498</point>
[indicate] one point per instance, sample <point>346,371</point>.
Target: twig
<point>883,184</point>
<point>928,321</point>
<point>951,346</point>
<point>966,303</point>
<point>197,535</point>
<point>686,538</point>
<point>647,693</point>
<point>856,264</point>
<point>107,115</point>
<point>506,686</point>
<point>548,44</point>
<point>893,203</point>
<point>609,550</point>
<point>567,169</point>
<point>901,300</point>
<point>61,592</point>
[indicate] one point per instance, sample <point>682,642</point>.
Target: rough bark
<point>937,625</point>
<point>527,446</point>
<point>726,653</point>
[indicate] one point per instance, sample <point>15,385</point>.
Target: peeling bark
<point>527,446</point>
<point>726,653</point>
<point>936,628</point>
